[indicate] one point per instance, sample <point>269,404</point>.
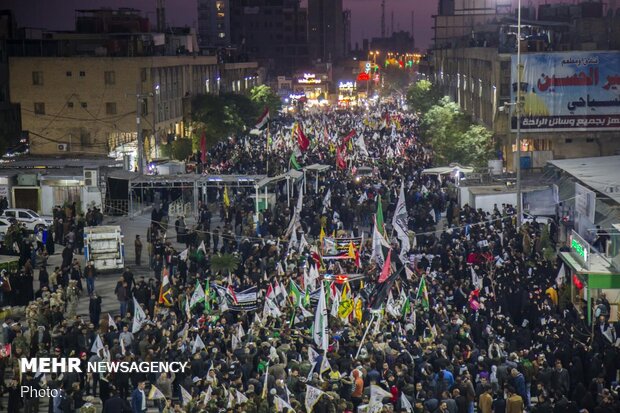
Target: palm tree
<point>224,264</point>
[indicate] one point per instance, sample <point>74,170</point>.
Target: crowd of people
<point>461,311</point>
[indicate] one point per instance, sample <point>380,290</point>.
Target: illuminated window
<point>221,35</point>
<point>219,5</point>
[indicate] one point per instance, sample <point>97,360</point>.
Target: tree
<point>181,149</point>
<point>224,264</point>
<point>263,96</point>
<point>221,116</point>
<point>395,79</point>
<point>453,137</point>
<point>423,95</point>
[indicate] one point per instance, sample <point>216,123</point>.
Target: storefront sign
<point>580,249</point>
<point>309,78</point>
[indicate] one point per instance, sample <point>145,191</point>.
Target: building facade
<point>88,105</point>
<point>478,70</point>
<point>326,30</point>
<point>214,23</point>
<point>9,113</point>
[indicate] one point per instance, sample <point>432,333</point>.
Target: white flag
<point>303,244</point>
<point>197,296</point>
<point>183,254</point>
<point>320,330</point>
<point>327,200</point>
<point>202,247</point>
<point>362,145</point>
<point>325,364</point>
<point>235,343</point>
<point>198,345</point>
<point>207,394</point>
<point>561,277</point>
<point>312,396</point>
<point>139,317</point>
<point>155,394</point>
<point>241,397</point>
<point>400,223</point>
<point>377,242</point>
<point>97,345</point>
<point>335,306</point>
<point>186,397</point>
<point>377,394</point>
<point>405,403</point>
<point>281,405</point>
<point>111,322</point>
<point>271,309</point>
<point>476,281</point>
<point>231,400</point>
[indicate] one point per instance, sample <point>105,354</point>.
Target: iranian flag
<point>263,120</point>
<point>302,139</point>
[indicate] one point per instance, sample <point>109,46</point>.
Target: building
<point>478,70</point>
<point>9,113</point>
<point>326,30</point>
<point>399,43</point>
<point>87,105</point>
<point>273,33</point>
<point>214,24</point>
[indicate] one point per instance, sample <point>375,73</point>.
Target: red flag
<point>340,162</point>
<point>270,292</point>
<point>232,294</point>
<point>302,140</point>
<point>348,137</point>
<point>387,267</point>
<point>5,351</point>
<point>203,148</point>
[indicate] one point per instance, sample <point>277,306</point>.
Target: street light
<point>519,75</point>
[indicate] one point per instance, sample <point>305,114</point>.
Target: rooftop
<point>602,174</point>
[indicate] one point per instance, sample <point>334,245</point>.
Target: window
<point>143,74</point>
<point>37,78</point>
<point>82,73</point>
<point>109,77</point>
<point>84,105</point>
<point>10,213</point>
<point>39,108</point>
<point>70,105</point>
<point>69,74</point>
<point>24,215</point>
<point>110,108</point>
<point>221,35</point>
<point>219,5</point>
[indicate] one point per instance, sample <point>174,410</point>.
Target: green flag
<point>207,309</point>
<point>423,294</point>
<point>406,307</point>
<point>294,162</point>
<point>294,291</point>
<point>380,224</point>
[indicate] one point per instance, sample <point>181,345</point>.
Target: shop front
<point>590,275</point>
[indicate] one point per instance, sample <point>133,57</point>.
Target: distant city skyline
<point>366,14</point>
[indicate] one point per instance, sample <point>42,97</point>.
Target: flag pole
<point>364,336</point>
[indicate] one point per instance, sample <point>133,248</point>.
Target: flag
<point>155,394</point>
<point>265,385</point>
<point>241,397</point>
<point>203,148</point>
<point>327,201</point>
<point>111,322</point>
<point>362,146</point>
<point>405,403</point>
<point>400,223</point>
<point>165,290</point>
<point>208,394</point>
<point>183,255</point>
<point>423,294</point>
<point>198,295</point>
<point>312,396</point>
<point>226,199</point>
<point>232,294</point>
<point>294,163</point>
<point>377,394</point>
<point>561,277</point>
<point>281,405</point>
<point>207,297</point>
<point>387,268</point>
<point>295,293</point>
<point>139,317</point>
<point>321,236</point>
<point>378,241</point>
<point>358,309</point>
<point>320,330</point>
<point>303,244</point>
<point>198,344</point>
<point>263,120</point>
<point>97,345</point>
<point>379,216</point>
<point>202,247</point>
<point>302,140</point>
<point>186,397</point>
<point>476,281</point>
<point>340,162</point>
<point>335,306</point>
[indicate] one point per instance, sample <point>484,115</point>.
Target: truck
<point>104,246</point>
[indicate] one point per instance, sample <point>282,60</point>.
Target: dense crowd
<point>463,311</point>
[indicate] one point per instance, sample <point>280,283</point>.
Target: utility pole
<point>139,101</point>
<point>382,18</point>
<point>519,75</point>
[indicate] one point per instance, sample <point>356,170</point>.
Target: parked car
<point>31,220</point>
<point>4,226</point>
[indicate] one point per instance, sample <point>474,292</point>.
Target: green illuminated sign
<point>579,249</point>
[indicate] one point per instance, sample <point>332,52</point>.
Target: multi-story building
<point>87,105</point>
<point>9,113</point>
<point>477,69</point>
<point>274,33</point>
<point>214,25</point>
<point>326,30</point>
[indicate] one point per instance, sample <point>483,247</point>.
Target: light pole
<point>156,119</point>
<point>519,75</point>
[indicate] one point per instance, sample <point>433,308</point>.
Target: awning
<point>317,167</point>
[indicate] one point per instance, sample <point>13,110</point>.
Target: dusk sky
<point>366,14</point>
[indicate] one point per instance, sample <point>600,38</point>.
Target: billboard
<point>568,91</point>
